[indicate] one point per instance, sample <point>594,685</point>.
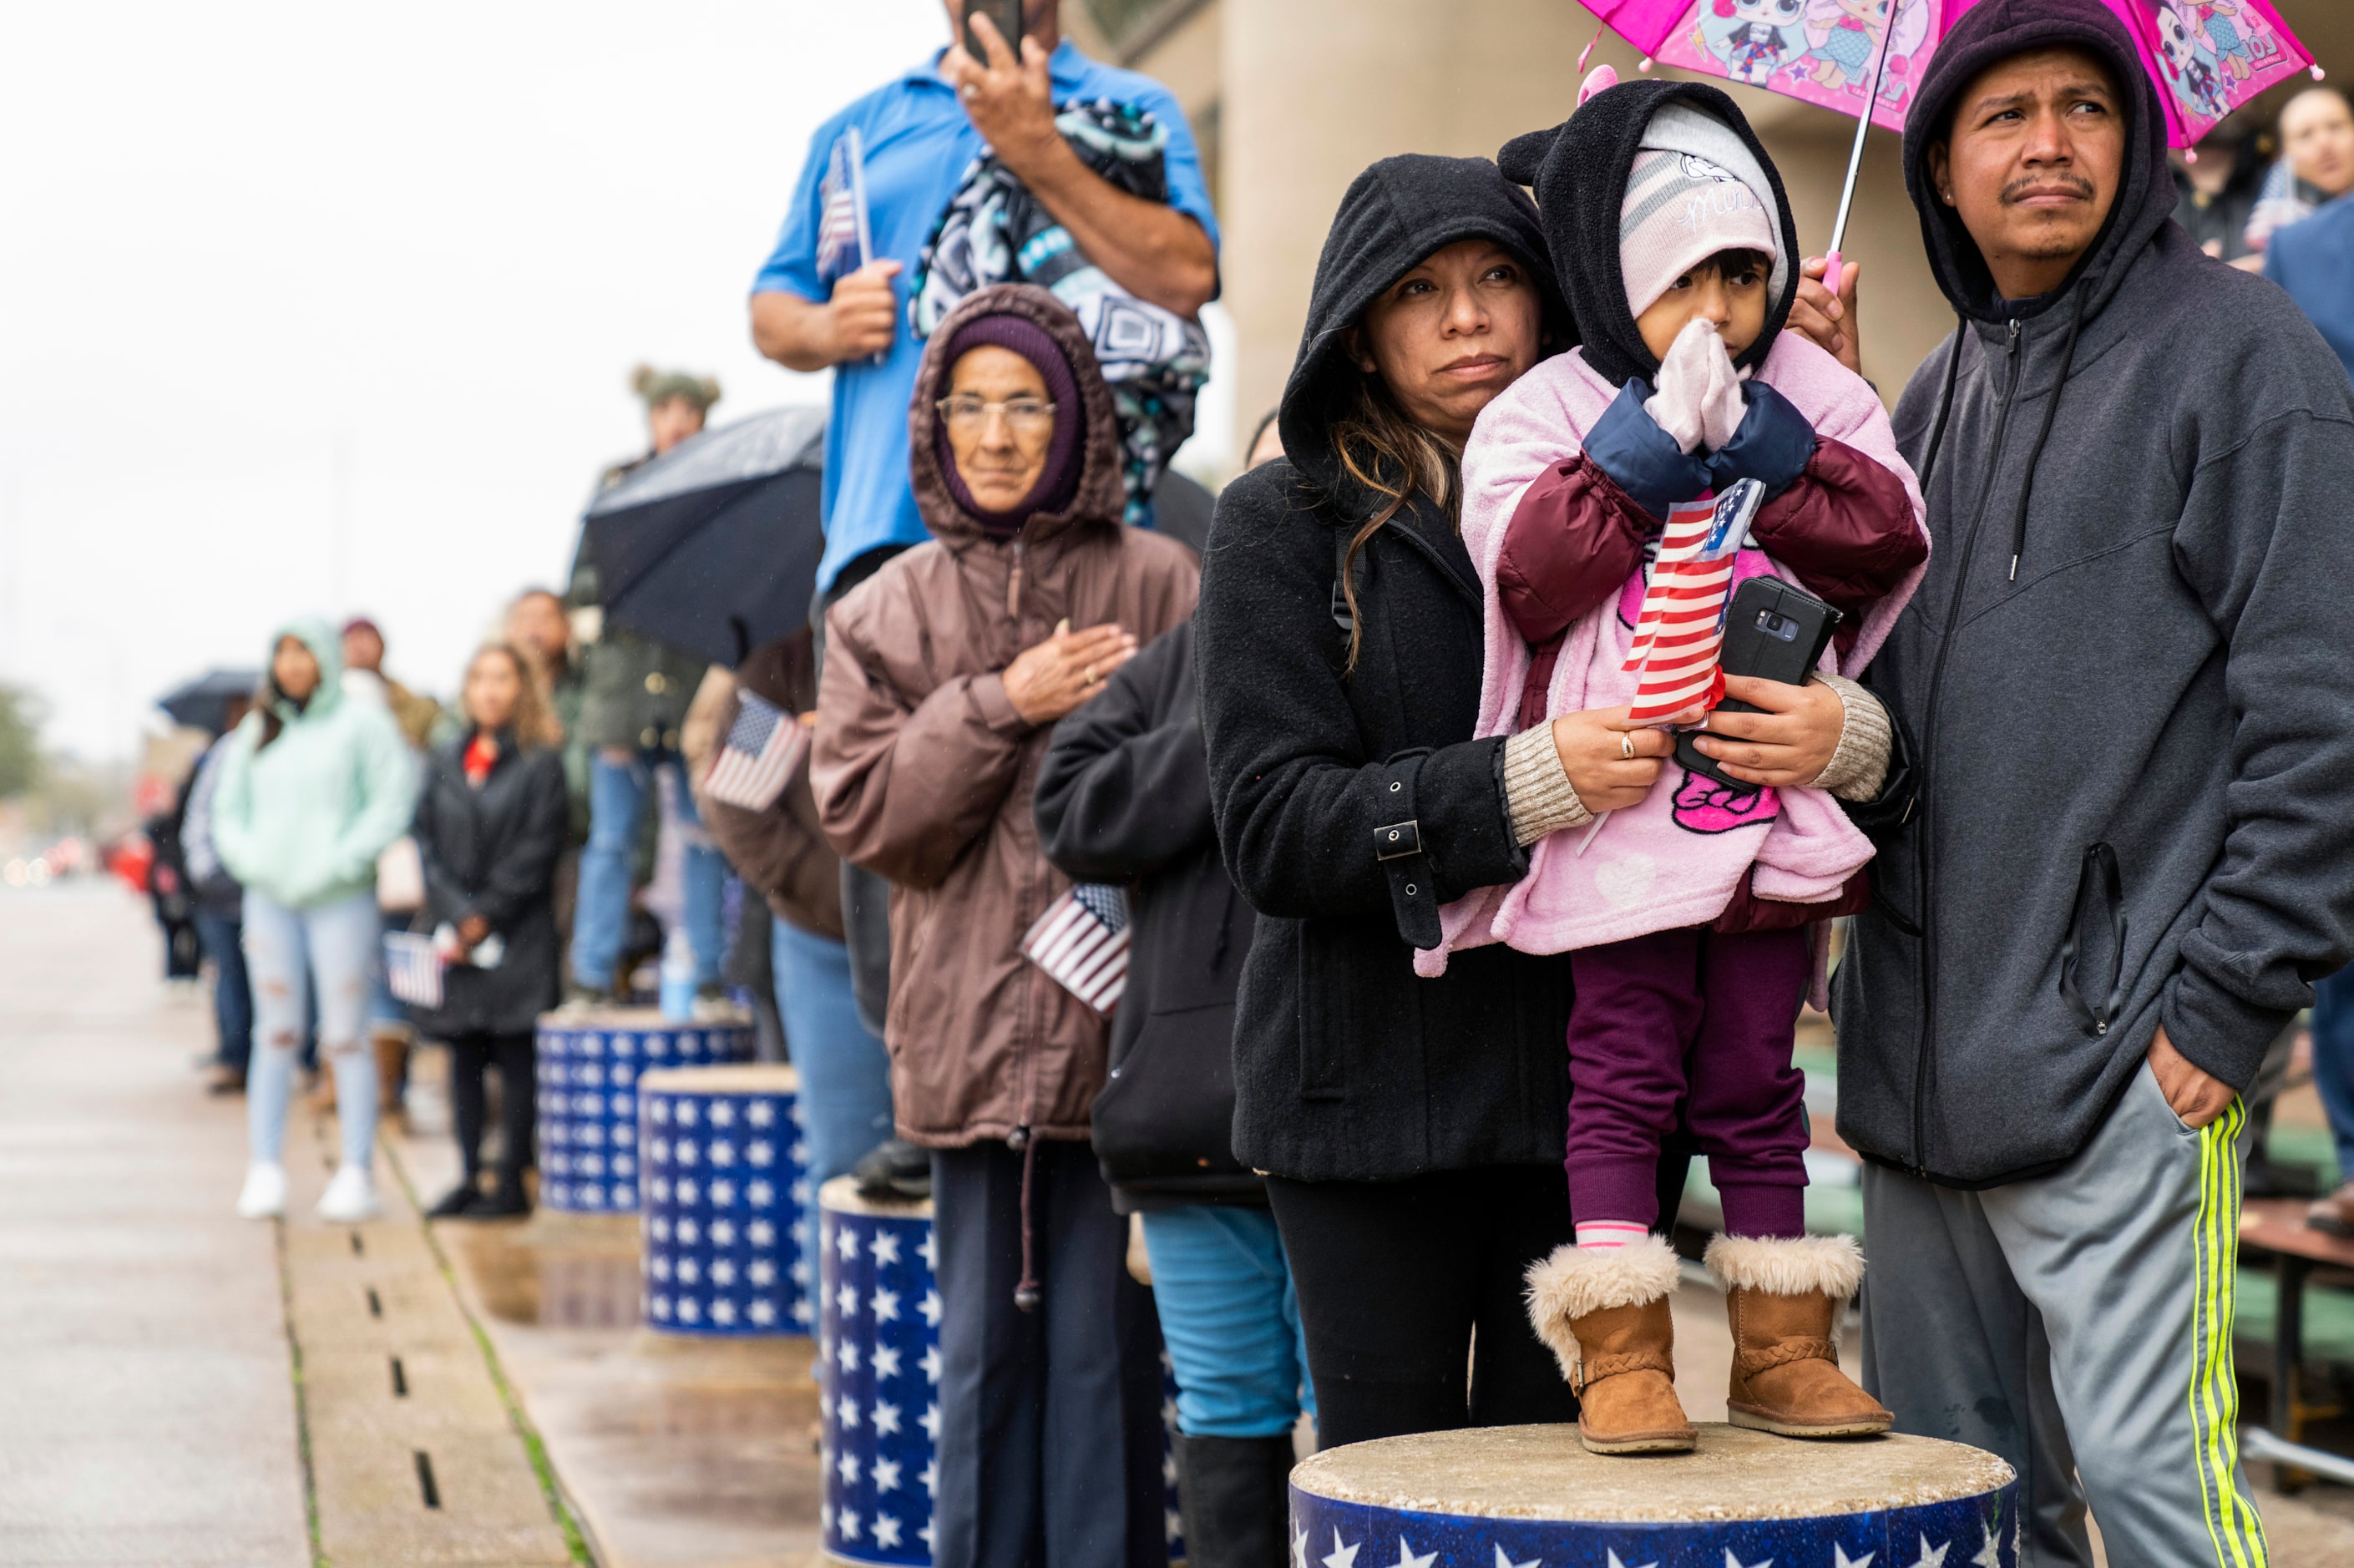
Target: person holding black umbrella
<point>635,697</point>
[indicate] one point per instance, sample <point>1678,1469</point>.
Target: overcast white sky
<point>250,244</point>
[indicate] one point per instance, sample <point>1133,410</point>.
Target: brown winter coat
<point>923,772</point>
<point>779,852</point>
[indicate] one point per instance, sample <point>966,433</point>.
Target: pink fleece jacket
<point>1676,859</point>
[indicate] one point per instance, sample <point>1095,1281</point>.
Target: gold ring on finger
<point>1091,674</point>
<point>1627,744</point>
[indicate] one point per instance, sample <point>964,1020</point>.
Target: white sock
<point>1593,1234</point>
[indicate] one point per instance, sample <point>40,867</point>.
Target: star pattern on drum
<point>721,1257</point>
<point>1989,1551</point>
<point>1615,1563</point>
<point>1932,1556</point>
<point>1841,1560</point>
<point>587,1093</point>
<point>1406,1558</point>
<point>1503,1560</point>
<point>877,1365</point>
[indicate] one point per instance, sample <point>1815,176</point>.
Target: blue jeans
<point>223,936</point>
<point>333,950</point>
<point>846,1074</point>
<point>1229,1320</point>
<point>2333,1062</point>
<point>601,919</point>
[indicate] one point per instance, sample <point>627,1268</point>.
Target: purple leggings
<point>1699,1023</point>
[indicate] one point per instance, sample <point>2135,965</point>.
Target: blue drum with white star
<point>588,1064</point>
<point>1518,1496</point>
<point>723,1181</point>
<point>879,1353</point>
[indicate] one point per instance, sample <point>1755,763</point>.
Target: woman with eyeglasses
<point>944,675</point>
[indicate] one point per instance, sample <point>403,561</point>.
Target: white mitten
<point>1699,401</point>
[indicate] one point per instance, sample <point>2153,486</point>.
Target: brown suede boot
<point>1604,1313</point>
<point>1784,1299</point>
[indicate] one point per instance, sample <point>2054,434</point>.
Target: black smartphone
<point>1005,15</point>
<point>1772,629</point>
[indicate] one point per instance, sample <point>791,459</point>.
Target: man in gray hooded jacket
<point>2128,682</point>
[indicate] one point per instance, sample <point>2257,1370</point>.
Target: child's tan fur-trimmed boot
<point>1604,1313</point>
<point>1784,1299</point>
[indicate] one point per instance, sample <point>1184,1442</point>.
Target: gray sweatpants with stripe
<point>2079,1325</point>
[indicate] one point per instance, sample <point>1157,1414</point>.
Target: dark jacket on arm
<point>1347,1065</point>
<point>492,852</point>
<point>1124,797</point>
<point>2130,685</point>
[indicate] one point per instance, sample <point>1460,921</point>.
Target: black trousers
<point>1402,1284</point>
<point>1050,1446</point>
<point>513,1054</point>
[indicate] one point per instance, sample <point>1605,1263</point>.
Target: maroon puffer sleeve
<point>1846,528</point>
<point>1574,540</point>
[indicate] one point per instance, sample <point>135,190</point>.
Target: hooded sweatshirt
<point>1551,518</point>
<point>302,821</point>
<point>1348,1067</point>
<point>923,771</point>
<point>2126,670</point>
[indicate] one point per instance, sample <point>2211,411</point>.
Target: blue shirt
<point>920,144</point>
<point>2314,260</point>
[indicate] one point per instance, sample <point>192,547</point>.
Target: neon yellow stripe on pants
<point>2238,1533</point>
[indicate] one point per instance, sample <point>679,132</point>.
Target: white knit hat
<point>1681,209</point>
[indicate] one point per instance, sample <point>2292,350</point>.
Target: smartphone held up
<point>1004,15</point>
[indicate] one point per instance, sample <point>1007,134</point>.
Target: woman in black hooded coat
<point>1412,1130</point>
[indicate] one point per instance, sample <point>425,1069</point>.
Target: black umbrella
<point>712,548</point>
<point>203,703</point>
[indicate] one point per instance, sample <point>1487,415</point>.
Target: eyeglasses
<point>1025,417</point>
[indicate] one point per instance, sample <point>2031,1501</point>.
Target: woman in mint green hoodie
<point>313,788</point>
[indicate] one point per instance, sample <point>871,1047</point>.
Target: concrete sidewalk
<point>146,1411</point>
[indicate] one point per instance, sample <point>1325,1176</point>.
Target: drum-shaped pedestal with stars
<point>878,1353</point>
<point>1513,1497</point>
<point>723,1181</point>
<point>588,1064</point>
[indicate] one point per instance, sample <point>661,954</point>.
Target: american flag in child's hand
<point>842,246</point>
<point>763,746</point>
<point>1082,944</point>
<point>1682,625</point>
<point>412,968</point>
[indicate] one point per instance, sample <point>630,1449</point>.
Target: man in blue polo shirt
<point>921,135</point>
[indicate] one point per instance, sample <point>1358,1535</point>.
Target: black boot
<point>506,1201</point>
<point>1233,1494</point>
<point>461,1201</point>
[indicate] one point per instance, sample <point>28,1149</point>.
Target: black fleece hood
<point>1398,212</point>
<point>1579,171</point>
<point>1988,33</point>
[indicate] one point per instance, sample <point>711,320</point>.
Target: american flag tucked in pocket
<point>763,746</point>
<point>1081,941</point>
<point>412,968</point>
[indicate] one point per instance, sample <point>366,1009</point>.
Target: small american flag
<point>1082,944</point>
<point>1682,624</point>
<point>844,243</point>
<point>412,968</point>
<point>763,746</point>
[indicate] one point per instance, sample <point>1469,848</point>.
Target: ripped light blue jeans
<point>336,947</point>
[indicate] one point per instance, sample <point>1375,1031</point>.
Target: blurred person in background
<point>782,855</point>
<point>2316,164</point>
<point>538,628</point>
<point>2216,194</point>
<point>2314,259</point>
<point>944,672</point>
<point>219,911</point>
<point>634,699</point>
<point>490,827</point>
<point>314,786</point>
<point>399,886</point>
<point>1124,797</point>
<point>363,674</point>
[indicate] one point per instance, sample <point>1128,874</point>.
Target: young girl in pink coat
<point>1694,920</point>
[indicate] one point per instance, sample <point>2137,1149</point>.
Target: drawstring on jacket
<point>2043,430</point>
<point>1025,1290</point>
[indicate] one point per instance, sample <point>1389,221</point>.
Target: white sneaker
<point>349,1198</point>
<point>264,1195</point>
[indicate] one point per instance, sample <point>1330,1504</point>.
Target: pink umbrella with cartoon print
<point>2209,55</point>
